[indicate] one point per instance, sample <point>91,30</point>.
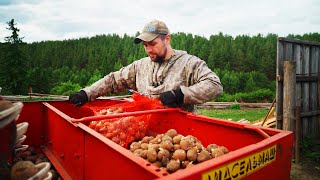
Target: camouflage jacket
<point>197,82</point>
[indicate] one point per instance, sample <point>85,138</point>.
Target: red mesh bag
<point>125,130</point>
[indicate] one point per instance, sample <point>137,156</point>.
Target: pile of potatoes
<point>172,151</point>
<point>31,157</point>
<point>111,110</point>
<point>122,130</point>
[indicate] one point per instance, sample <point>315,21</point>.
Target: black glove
<point>172,98</point>
<point>79,98</point>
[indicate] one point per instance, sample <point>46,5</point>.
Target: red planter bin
<point>62,131</point>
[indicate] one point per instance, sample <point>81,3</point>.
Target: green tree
<point>230,82</point>
<point>13,63</point>
<point>65,88</point>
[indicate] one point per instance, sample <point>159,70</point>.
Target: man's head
<point>156,40</point>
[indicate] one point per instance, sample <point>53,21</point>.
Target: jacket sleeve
<point>114,82</point>
<point>204,84</point>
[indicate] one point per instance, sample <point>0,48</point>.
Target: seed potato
<point>173,166</point>
<point>176,139</point>
<point>179,154</point>
<point>203,156</point>
<point>192,154</point>
<point>171,132</point>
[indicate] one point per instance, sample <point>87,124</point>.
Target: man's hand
<point>172,98</point>
<point>79,98</point>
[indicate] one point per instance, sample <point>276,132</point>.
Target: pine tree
<point>13,63</point>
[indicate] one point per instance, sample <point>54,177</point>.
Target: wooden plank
<point>287,81</point>
<point>279,85</point>
<point>310,113</point>
<point>308,78</point>
<point>318,94</point>
<point>289,92</point>
<point>305,89</point>
<point>297,41</point>
<point>297,58</point>
<point>303,78</point>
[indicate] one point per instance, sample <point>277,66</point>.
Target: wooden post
<point>30,92</point>
<point>289,92</point>
<point>298,126</point>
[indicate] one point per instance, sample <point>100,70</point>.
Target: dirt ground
<point>306,169</point>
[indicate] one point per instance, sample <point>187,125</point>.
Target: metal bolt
<point>77,155</point>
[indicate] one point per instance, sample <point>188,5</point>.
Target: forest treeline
<point>244,63</point>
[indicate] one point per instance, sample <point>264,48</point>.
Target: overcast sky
<point>42,20</point>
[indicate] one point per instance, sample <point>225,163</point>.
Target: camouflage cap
<point>152,30</point>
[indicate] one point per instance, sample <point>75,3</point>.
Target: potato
<point>112,109</point>
<point>123,136</point>
<point>119,110</point>
<point>31,158</point>
<point>155,141</point>
<point>157,163</point>
<point>190,165</point>
<point>109,112</point>
<point>138,152</point>
<point>23,170</point>
<point>176,147</point>
<point>171,132</point>
<point>152,155</point>
<point>211,146</point>
<point>224,149</point>
<point>176,139</point>
<point>38,160</point>
<point>179,154</point>
<point>203,156</point>
<point>154,146</point>
<point>144,146</point>
<point>134,146</point>
<point>186,144</point>
<point>54,173</point>
<point>173,166</point>
<point>192,154</point>
<point>17,158</point>
<point>165,161</point>
<point>185,163</point>
<point>146,139</point>
<point>166,145</point>
<point>163,169</point>
<point>199,146</point>
<point>163,153</point>
<point>192,138</point>
<point>143,154</point>
<point>217,152</point>
<point>166,138</point>
<point>159,136</point>
<point>103,112</point>
<point>5,105</point>
<point>24,154</point>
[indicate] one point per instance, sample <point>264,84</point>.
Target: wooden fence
<point>298,87</point>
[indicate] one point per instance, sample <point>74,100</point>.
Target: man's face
<point>156,49</point>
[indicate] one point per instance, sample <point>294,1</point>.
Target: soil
<point>306,169</point>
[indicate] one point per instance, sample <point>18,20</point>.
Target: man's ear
<point>168,38</point>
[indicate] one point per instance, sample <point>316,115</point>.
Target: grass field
<point>235,114</point>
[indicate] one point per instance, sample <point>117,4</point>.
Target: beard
<point>159,58</point>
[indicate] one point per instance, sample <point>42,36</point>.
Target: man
<point>174,76</point>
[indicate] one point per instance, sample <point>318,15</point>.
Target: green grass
<point>37,99</point>
<point>235,114</point>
